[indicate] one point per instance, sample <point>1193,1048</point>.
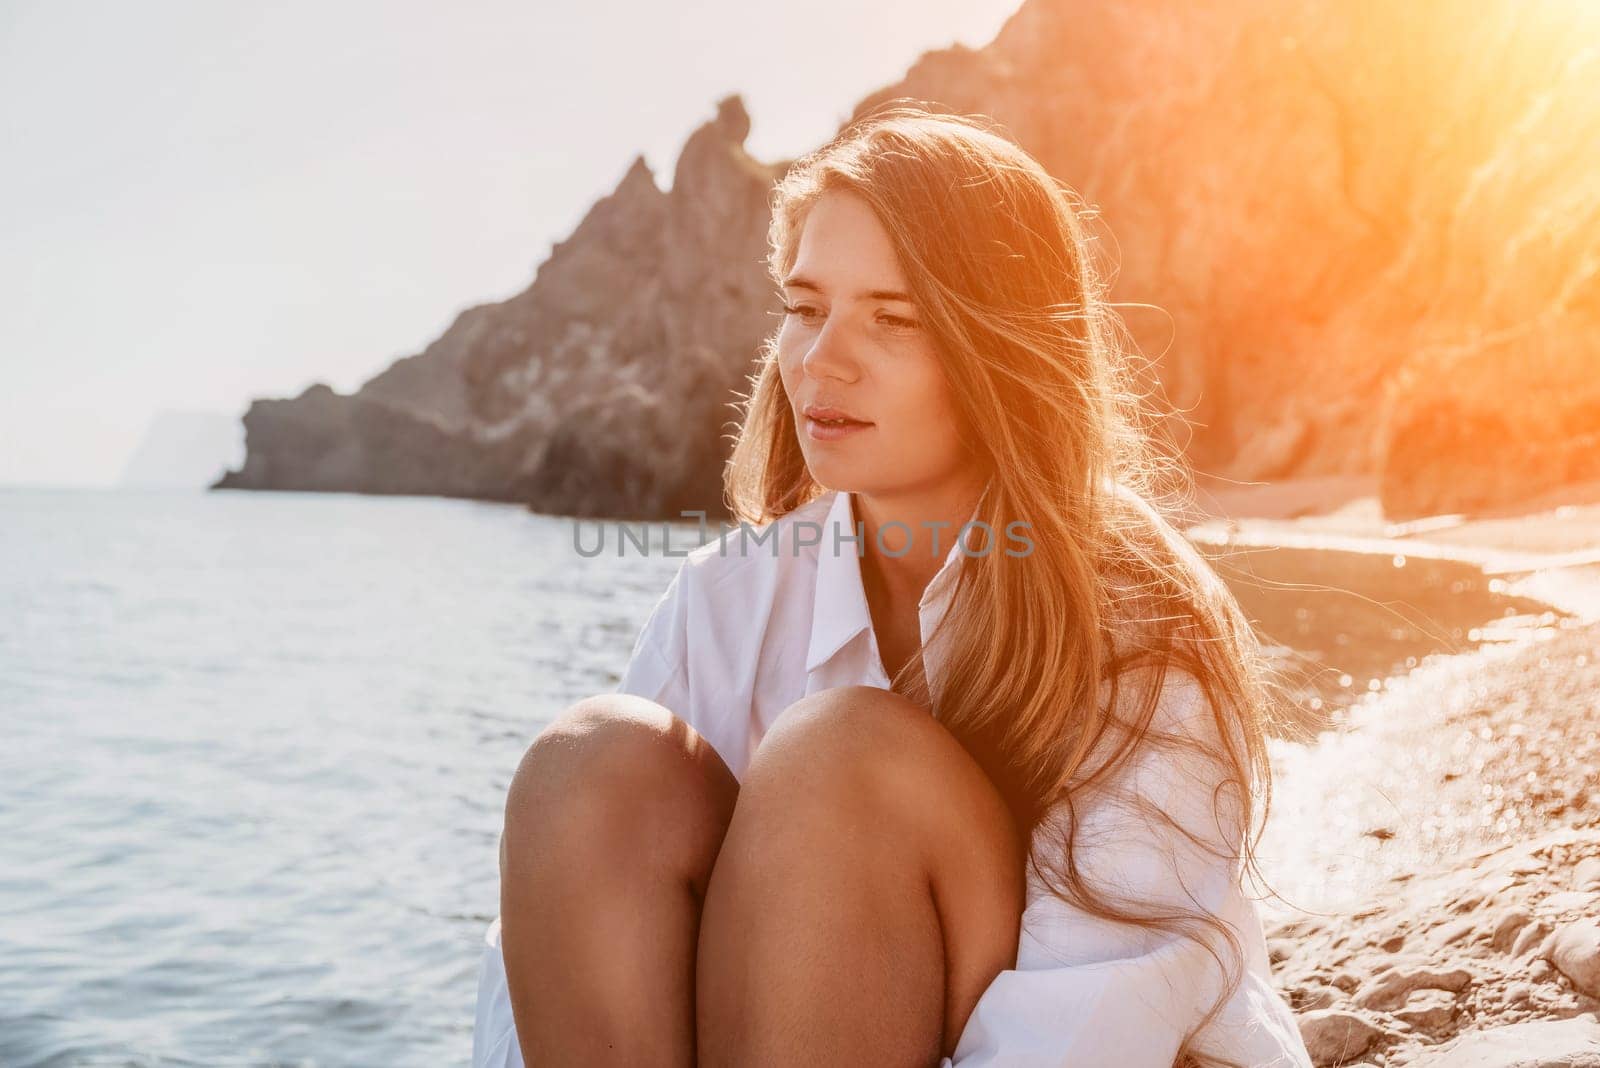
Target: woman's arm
<point>1093,991</point>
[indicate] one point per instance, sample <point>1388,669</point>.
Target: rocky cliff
<point>1356,238</point>
<point>603,389</point>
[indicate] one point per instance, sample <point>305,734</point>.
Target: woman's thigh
<point>869,888</point>
<point>613,821</point>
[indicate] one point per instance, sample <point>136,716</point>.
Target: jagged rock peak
<point>732,121</point>
<point>639,174</point>
<point>715,145</point>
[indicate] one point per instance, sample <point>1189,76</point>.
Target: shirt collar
<point>840,611</point>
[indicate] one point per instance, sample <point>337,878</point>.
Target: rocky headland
<point>604,389</point>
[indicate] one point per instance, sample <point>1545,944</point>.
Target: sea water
<point>255,748</point>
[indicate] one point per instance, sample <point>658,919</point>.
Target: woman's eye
<point>804,311</point>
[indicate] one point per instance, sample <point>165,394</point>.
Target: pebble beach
<point>1433,854</point>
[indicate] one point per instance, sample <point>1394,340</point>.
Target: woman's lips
<point>818,430</point>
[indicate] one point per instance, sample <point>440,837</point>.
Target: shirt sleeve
<point>658,666</point>
<point>1088,990</point>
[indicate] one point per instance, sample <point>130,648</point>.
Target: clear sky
<point>201,203</point>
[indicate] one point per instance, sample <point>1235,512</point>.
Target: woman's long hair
<point>999,261</point>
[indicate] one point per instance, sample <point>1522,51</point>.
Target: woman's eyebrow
<point>800,281</point>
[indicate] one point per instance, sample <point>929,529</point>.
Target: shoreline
<point>1438,850</point>
<point>1565,521</point>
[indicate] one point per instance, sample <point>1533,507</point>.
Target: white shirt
<point>743,631</point>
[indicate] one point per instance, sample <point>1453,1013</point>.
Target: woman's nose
<point>829,355</point>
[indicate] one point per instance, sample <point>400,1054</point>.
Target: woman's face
<point>852,341</point>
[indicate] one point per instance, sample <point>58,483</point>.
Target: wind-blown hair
<point>1043,650</point>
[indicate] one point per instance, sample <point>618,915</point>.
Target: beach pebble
<point>1495,885</point>
<point>1298,928</point>
<point>1518,993</point>
<point>1347,981</point>
<point>1527,865</point>
<point>1573,1043</point>
<point>1390,989</point>
<point>1583,902</point>
<point>1510,925</point>
<point>1428,1010</point>
<point>1575,952</point>
<point>1312,997</point>
<point>1451,933</point>
<point>1529,937</point>
<point>1333,1036</point>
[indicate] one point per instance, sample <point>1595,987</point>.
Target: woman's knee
<point>850,721</point>
<point>859,789</point>
<point>862,748</point>
<point>612,771</point>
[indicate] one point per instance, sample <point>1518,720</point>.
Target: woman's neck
<point>921,528</point>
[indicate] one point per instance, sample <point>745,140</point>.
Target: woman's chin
<point>832,471</point>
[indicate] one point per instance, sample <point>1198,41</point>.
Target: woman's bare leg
<point>869,889</point>
<point>613,821</point>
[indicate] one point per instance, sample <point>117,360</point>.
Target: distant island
<point>184,450</point>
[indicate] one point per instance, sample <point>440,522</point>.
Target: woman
<point>958,759</point>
